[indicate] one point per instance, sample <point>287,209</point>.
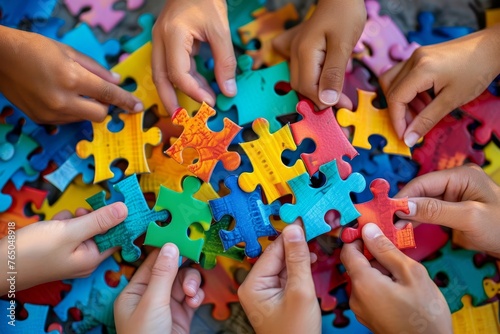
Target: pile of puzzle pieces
<point>222,182</point>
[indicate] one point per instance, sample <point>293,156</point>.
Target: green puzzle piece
<point>185,210</point>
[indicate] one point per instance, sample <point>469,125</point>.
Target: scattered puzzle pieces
<point>492,152</point>
<point>35,323</point>
<point>485,109</point>
<point>12,12</point>
<point>428,34</point>
<point>239,14</point>
<point>100,14</point>
<point>73,166</point>
<point>146,22</point>
<point>480,319</point>
<point>354,325</point>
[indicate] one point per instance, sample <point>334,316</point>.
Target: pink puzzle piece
<point>101,12</point>
<point>485,109</point>
<point>356,76</point>
<point>134,4</point>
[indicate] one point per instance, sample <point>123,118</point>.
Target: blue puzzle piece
<point>240,13</point>
<point>18,116</point>
<point>21,177</point>
<point>49,28</point>
<point>494,87</point>
<point>249,212</point>
<point>33,324</point>
<point>13,12</point>
<point>428,35</point>
<point>114,194</point>
<point>136,223</point>
<point>354,326</point>
<point>62,176</point>
<point>312,204</point>
<point>220,173</point>
<point>146,22</point>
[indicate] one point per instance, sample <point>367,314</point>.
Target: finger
<point>190,279</point>
<point>99,221</point>
<point>195,301</point>
<point>63,215</point>
<point>344,102</point>
<point>353,260</point>
<point>160,77</point>
<point>282,43</point>
<point>430,185</point>
<point>82,108</point>
<point>310,61</point>
<point>270,263</point>
<point>163,275</point>
<point>385,252</point>
<point>332,76</point>
<point>92,66</point>
<point>224,60</point>
<point>81,211</point>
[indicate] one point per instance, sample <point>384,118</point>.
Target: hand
<point>159,299</point>
<point>320,48</point>
<point>53,83</point>
<point>62,248</point>
<point>459,71</point>
<point>463,198</point>
<point>177,34</point>
<point>410,300</point>
<point>278,294</point>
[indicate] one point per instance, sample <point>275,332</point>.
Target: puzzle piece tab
<point>146,22</point>
<point>428,34</point>
<point>239,14</point>
<point>35,323</point>
<point>492,152</point>
<point>101,13</point>
<point>485,109</point>
<point>480,319</point>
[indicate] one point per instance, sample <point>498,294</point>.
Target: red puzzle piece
<point>430,238</point>
<point>380,210</point>
<point>323,129</point>
<point>43,294</point>
<point>485,109</point>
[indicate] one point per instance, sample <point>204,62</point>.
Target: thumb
<point>99,221</point>
<point>386,253</point>
<point>298,261</point>
<point>331,80</point>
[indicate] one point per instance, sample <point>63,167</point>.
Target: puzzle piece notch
<point>492,152</point>
<point>481,319</point>
<point>380,211</point>
<point>312,204</point>
<point>249,212</point>
<point>485,109</point>
<point>368,121</point>
<point>428,34</point>
<point>354,326</point>
<point>101,13</point>
<point>239,14</point>
<point>185,210</point>
<point>211,146</point>
<point>35,323</point>
<point>146,22</point>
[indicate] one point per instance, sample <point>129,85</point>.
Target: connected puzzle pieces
<point>312,204</point>
<point>211,146</point>
<point>185,210</point>
<point>35,323</point>
<point>381,211</point>
<point>480,319</point>
<point>485,109</point>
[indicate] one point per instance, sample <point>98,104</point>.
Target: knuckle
<point>57,103</point>
<point>105,93</point>
<point>426,122</point>
<point>383,245</point>
<point>416,270</point>
<point>432,209</point>
<point>161,269</point>
<point>102,222</point>
<point>298,256</point>
<point>333,75</point>
<point>229,64</point>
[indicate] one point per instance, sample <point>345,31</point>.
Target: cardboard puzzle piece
<point>265,155</point>
<point>449,144</point>
<point>128,144</point>
<point>492,152</point>
<point>380,211</point>
<point>220,173</point>
<point>368,120</point>
<point>251,83</point>
<point>134,4</point>
<point>464,278</point>
<point>251,216</point>
<point>323,129</point>
<point>101,13</point>
<point>239,14</point>
<point>426,245</point>
<point>146,22</point>
<point>491,288</point>
<point>185,210</point>
<point>62,176</point>
<point>211,146</point>
<point>13,12</point>
<point>356,77</point>
<point>492,17</point>
<point>13,116</point>
<point>265,27</point>
<point>136,223</point>
<point>34,323</point>
<point>428,34</point>
<point>20,200</point>
<point>480,319</point>
<point>43,294</point>
<point>354,325</point>
<point>485,109</point>
<point>378,37</point>
<point>13,157</point>
<point>138,68</point>
<point>312,204</point>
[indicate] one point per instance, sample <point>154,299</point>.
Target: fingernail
<point>169,250</point>
<point>230,86</point>
<point>116,75</point>
<point>412,206</point>
<point>371,231</point>
<point>329,97</point>
<point>118,211</point>
<point>411,139</point>
<point>138,107</point>
<point>293,233</point>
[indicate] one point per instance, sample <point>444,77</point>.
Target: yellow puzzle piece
<point>475,320</point>
<point>492,17</point>
<point>265,156</point>
<point>368,121</point>
<point>129,144</point>
<point>492,152</point>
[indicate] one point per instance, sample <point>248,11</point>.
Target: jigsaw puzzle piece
<point>34,323</point>
<point>480,319</point>
<point>15,116</point>
<point>220,173</point>
<point>492,152</point>
<point>485,109</point>
<point>146,22</point>
<point>252,83</point>
<point>249,212</point>
<point>356,77</point>
<point>49,294</point>
<point>429,238</point>
<point>13,12</point>
<point>62,176</point>
<point>239,14</point>
<point>354,326</point>
<point>368,120</point>
<point>211,146</point>
<point>99,14</point>
<point>428,34</point>
<point>312,204</point>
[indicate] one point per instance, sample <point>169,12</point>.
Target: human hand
<point>278,294</point>
<point>177,34</point>
<point>458,71</point>
<point>53,83</point>
<point>320,48</point>
<point>410,300</point>
<point>61,248</point>
<point>159,298</point>
<point>463,198</point>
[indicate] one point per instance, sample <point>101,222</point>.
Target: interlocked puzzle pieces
<point>428,35</point>
<point>211,146</point>
<point>35,323</point>
<point>368,121</point>
<point>249,212</point>
<point>464,278</point>
<point>184,211</point>
<point>485,109</point>
<point>480,319</point>
<point>146,22</point>
<point>270,104</point>
<point>312,204</point>
<point>354,325</point>
<point>101,12</point>
<point>323,129</point>
<point>73,166</point>
<point>136,223</point>
<point>239,14</point>
<point>492,152</point>
<point>128,144</point>
<point>381,211</point>
<point>265,156</point>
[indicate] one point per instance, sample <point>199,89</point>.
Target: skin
<point>157,292</point>
<point>458,71</point>
<point>412,303</point>
<point>64,85</point>
<point>278,294</point>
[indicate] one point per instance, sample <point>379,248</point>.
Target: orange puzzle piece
<point>480,319</point>
<point>368,121</point>
<point>211,146</point>
<point>129,144</point>
<point>265,155</point>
